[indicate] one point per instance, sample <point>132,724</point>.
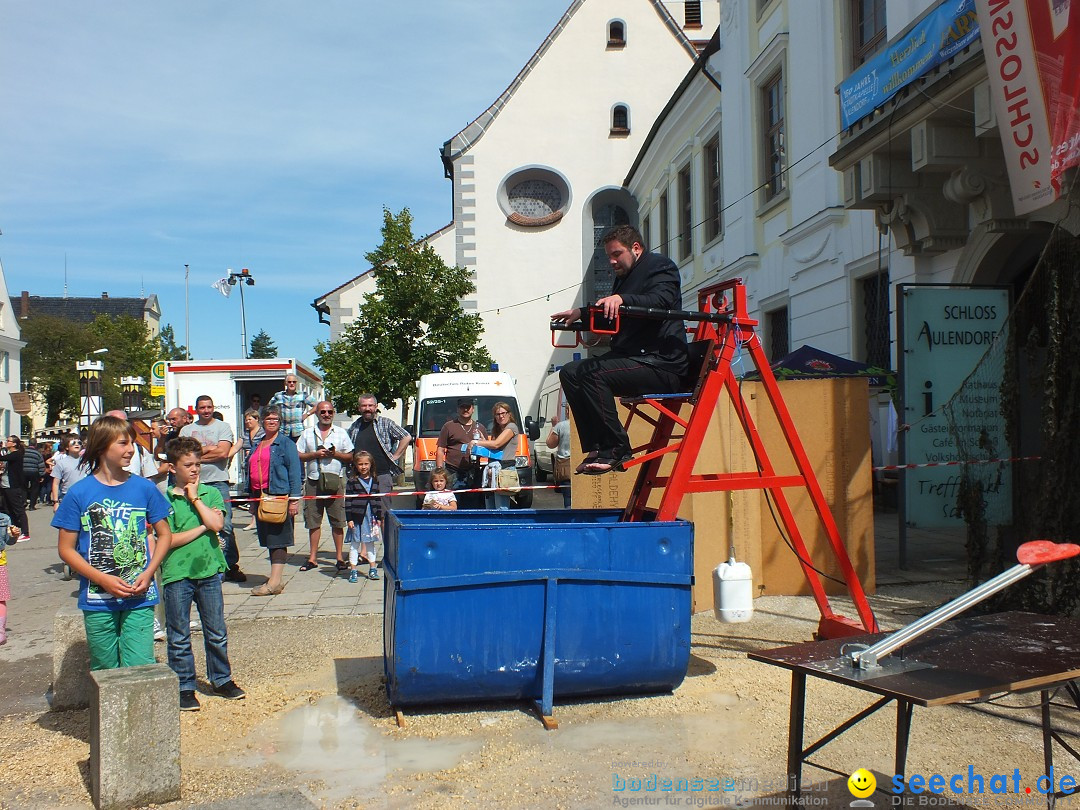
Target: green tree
<point>170,349</point>
<point>262,347</point>
<point>53,347</point>
<point>132,351</point>
<point>411,322</point>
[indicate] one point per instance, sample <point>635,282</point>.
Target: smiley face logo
<point>861,783</point>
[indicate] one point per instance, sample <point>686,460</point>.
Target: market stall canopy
<point>808,363</point>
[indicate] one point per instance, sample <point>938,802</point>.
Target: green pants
<point>120,638</point>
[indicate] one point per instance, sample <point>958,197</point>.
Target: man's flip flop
<point>585,462</point>
<point>308,566</point>
<point>605,465</point>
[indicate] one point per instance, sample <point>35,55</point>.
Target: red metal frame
<point>664,413</point>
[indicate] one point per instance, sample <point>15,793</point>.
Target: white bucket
<point>733,592</point>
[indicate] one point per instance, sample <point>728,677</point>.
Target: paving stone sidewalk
<point>324,591</point>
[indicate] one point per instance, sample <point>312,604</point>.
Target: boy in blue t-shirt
<point>103,538</point>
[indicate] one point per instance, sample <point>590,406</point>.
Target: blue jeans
<point>206,594</point>
<point>226,535</point>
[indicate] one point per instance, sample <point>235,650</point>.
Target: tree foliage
<point>262,347</point>
<point>170,349</point>
<point>411,322</point>
<point>132,351</point>
<point>55,345</point>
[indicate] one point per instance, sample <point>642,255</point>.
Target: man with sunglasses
<point>457,432</point>
<point>324,451</point>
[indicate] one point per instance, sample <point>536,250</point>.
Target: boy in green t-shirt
<point>192,572</point>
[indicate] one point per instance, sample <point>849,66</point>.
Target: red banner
<point>1032,64</point>
<point>1065,116</point>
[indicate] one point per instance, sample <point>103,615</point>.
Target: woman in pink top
<point>274,467</point>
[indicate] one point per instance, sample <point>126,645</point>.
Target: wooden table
<point>965,659</point>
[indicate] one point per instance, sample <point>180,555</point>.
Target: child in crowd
<point>192,572</point>
<point>440,496</point>
<point>8,537</point>
<point>103,521</point>
<point>363,514</point>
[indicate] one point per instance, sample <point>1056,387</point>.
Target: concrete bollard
<point>71,661</point>
<point>134,736</point>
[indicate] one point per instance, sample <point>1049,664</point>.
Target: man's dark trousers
<point>590,387</point>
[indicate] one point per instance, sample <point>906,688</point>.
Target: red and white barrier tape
<point>398,493</point>
<point>394,494</point>
<point>954,463</point>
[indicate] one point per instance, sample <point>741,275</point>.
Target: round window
<point>534,197</point>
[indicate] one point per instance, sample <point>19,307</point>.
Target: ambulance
<point>436,404</point>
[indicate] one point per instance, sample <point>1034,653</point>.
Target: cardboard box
<point>832,419</point>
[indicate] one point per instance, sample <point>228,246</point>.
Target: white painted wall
<point>559,117</point>
<point>10,360</point>
<point>802,250</point>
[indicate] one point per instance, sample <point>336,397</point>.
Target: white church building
<point>537,176</point>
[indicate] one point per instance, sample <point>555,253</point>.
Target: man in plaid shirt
<point>292,407</point>
<point>385,440</point>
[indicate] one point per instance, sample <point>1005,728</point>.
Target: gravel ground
<point>316,729</point>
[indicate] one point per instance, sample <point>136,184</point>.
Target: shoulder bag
<point>507,479</point>
<point>272,508</point>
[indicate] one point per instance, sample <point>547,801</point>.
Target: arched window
<point>620,120</point>
<point>616,34</point>
<point>605,216</point>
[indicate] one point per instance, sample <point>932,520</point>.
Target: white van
<point>551,406</point>
<point>436,404</point>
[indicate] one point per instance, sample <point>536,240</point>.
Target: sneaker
<point>354,576</point>
<point>234,574</point>
<point>159,631</point>
<point>188,701</point>
<point>23,538</point>
<point>373,573</point>
<point>230,691</point>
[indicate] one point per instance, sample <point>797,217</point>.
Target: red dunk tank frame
<point>723,329</point>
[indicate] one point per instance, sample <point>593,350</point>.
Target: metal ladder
<point>724,329</point>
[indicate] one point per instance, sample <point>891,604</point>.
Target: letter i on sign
<point>928,398</point>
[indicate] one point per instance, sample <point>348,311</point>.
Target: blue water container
<point>535,605</point>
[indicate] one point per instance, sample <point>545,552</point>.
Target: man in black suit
<point>647,355</point>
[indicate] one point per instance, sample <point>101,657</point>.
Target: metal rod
<point>187,317</point>
<point>864,659</point>
<point>243,320</point>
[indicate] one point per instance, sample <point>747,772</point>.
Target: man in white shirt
<point>326,451</point>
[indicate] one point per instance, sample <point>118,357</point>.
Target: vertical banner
<point>945,332</point>
<point>1056,28</point>
<point>1018,100</point>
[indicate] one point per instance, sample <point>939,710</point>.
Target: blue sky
<point>139,137</point>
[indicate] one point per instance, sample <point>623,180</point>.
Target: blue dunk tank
<point>533,605</point>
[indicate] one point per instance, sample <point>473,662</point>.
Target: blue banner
<point>944,31</point>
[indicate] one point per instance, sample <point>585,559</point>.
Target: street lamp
<point>243,278</point>
<point>90,388</point>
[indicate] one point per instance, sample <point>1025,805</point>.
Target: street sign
<point>945,332</point>
<point>157,379</point>
<point>20,402</point>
